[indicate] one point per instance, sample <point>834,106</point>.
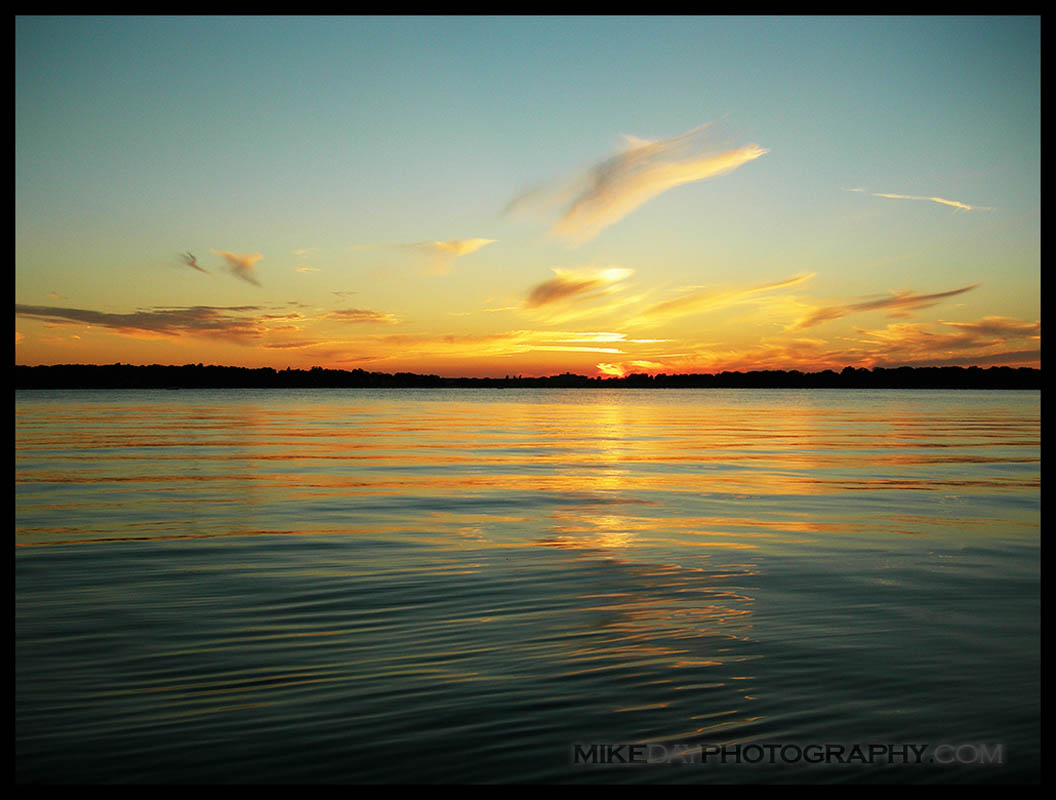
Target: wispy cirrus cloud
<point>897,303</point>
<point>612,189</point>
<point>295,344</point>
<point>231,322</point>
<point>438,255</point>
<point>240,324</point>
<point>441,255</point>
<point>474,347</point>
<point>453,248</point>
<point>241,266</point>
<point>956,204</point>
<point>603,336</point>
<point>363,315</point>
<point>701,301</point>
<point>920,340</point>
<point>802,353</point>
<point>1001,327</point>
<point>989,341</point>
<point>986,342</point>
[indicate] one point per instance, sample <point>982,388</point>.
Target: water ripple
<point>457,585</point>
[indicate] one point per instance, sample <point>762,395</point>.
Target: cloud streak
<point>710,300</point>
<point>998,326</point>
<point>441,255</point>
<point>474,347</point>
<point>957,204</point>
<point>363,315</point>
<point>987,333</point>
<point>453,248</point>
<point>896,302</point>
<point>239,324</point>
<point>231,322</point>
<point>615,187</point>
<point>438,255</point>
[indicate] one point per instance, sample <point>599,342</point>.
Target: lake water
<point>462,585</point>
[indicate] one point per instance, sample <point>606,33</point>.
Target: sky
<point>490,196</point>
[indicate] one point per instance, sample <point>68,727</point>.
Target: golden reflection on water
<point>605,453</point>
<point>620,544</point>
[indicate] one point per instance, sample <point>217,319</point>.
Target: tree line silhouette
<point>197,376</point>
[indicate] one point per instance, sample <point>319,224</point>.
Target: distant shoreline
<point>197,376</point>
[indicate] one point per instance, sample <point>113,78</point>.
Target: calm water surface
<point>459,585</point>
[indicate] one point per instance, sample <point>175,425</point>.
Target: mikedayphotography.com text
<point>964,754</point>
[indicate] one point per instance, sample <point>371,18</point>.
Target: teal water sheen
<point>369,586</point>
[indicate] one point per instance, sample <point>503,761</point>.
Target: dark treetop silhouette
<point>197,376</point>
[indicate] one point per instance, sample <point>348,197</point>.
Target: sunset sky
<point>493,196</point>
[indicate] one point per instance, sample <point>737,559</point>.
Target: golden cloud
<point>568,284</point>
<point>612,189</point>
<point>710,300</point>
<point>362,315</point>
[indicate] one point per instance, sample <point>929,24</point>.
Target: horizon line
<point>201,376</point>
